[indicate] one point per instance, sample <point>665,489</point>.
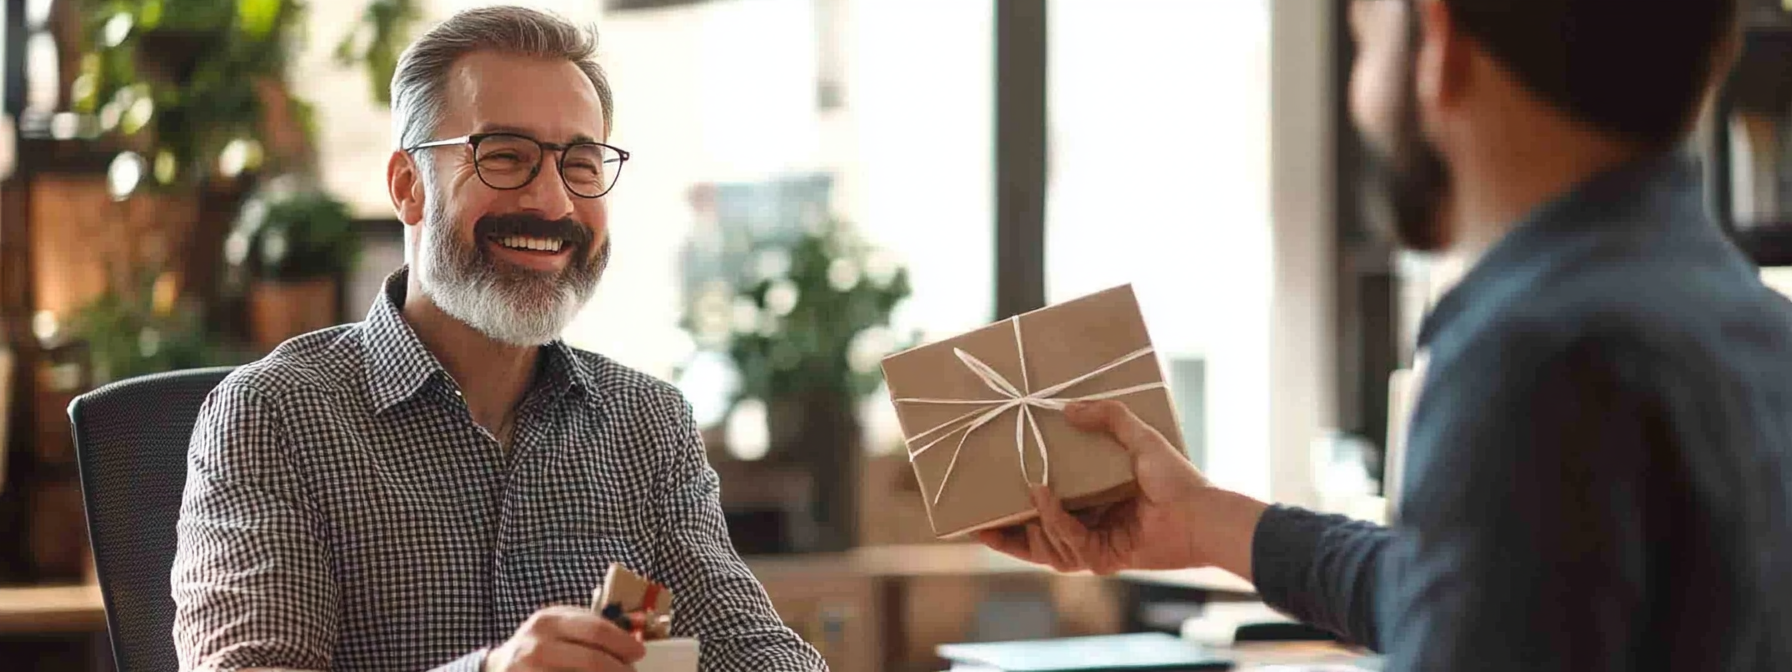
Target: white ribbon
<point>1021,397</point>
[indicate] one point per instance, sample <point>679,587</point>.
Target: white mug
<point>678,654</point>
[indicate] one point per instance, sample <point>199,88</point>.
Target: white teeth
<point>527,243</point>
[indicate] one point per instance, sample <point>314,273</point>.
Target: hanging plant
<point>186,81</point>
<point>377,41</point>
<point>200,87</point>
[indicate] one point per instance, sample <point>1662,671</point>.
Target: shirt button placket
<point>510,599</point>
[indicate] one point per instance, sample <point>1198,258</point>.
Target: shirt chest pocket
<point>567,569</point>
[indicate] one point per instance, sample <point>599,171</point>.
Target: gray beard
<point>511,306</point>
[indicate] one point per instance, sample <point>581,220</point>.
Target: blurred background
<point>814,184</point>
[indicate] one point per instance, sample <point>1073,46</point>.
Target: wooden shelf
<point>39,610</point>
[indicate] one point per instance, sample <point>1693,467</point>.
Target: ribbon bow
<point>1012,397</point>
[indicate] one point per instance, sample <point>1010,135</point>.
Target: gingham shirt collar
<point>401,366</point>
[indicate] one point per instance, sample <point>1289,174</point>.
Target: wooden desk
<point>872,582</point>
<point>891,576</point>
<point>865,596</point>
<point>965,559</point>
<point>905,561</point>
<point>38,610</point>
<point>1212,579</point>
<point>1264,655</point>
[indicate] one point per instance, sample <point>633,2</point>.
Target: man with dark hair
<point>1598,464</point>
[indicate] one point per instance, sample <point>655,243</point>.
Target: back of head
<point>1637,69</point>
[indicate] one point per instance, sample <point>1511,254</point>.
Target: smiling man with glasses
<point>444,484</point>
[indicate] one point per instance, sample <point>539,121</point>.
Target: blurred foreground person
<point>1598,463</point>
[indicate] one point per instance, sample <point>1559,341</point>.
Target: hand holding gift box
<point>644,608</point>
<point>981,412</point>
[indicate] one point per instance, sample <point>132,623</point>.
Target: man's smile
<point>540,254</point>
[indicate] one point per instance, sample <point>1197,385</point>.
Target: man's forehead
<point>548,99</point>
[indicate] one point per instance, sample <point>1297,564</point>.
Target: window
<point>743,115</point>
<point>1159,176</point>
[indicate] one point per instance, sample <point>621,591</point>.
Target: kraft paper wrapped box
<point>981,427</point>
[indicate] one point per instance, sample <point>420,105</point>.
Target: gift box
<point>635,602</point>
<point>644,607</point>
<point>982,413</point>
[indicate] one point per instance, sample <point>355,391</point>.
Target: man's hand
<point>566,639</point>
<point>1178,519</point>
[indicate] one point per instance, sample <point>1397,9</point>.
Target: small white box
<point>678,654</point>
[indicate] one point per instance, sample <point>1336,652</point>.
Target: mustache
<point>521,224</point>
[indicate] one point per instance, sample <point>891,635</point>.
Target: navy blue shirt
<point>1598,463</point>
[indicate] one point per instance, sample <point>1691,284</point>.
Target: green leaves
<point>139,329</point>
<point>377,42</point>
<point>185,72</point>
<point>818,323</point>
<point>297,237</point>
<point>256,18</point>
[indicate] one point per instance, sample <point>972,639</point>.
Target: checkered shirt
<point>343,512</point>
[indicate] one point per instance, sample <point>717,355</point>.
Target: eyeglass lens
<point>509,162</point>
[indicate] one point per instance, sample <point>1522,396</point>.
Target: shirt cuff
<point>471,662</point>
<point>1282,551</point>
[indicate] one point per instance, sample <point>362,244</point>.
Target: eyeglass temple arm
<point>444,143</point>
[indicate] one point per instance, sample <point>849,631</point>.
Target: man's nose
<point>546,195</point>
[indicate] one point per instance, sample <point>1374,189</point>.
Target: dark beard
<point>1406,182</point>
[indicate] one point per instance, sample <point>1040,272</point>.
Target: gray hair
<point>420,83</point>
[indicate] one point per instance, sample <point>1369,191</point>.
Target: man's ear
<point>404,184</point>
<point>1444,65</point>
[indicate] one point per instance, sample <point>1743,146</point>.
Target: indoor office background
<point>972,158</point>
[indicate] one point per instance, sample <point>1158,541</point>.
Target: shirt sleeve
<point>718,600</point>
<point>1521,543</point>
<point>1321,569</point>
<point>251,582</point>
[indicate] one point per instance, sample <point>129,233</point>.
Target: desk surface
<point>1273,656</point>
<point>963,559</point>
<point>1206,578</point>
<point>80,608</point>
<point>895,562</point>
<point>1270,655</point>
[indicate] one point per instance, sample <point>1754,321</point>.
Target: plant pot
<point>820,430</point>
<point>282,309</point>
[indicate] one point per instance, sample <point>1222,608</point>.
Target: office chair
<point>131,440</point>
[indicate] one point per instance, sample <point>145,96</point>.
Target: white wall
<point>1160,178</point>
<point>1302,333</point>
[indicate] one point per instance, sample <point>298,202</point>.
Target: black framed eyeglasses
<point>509,161</point>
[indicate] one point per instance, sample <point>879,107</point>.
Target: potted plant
<point>140,325</point>
<point>293,250</point>
<point>806,328</point>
